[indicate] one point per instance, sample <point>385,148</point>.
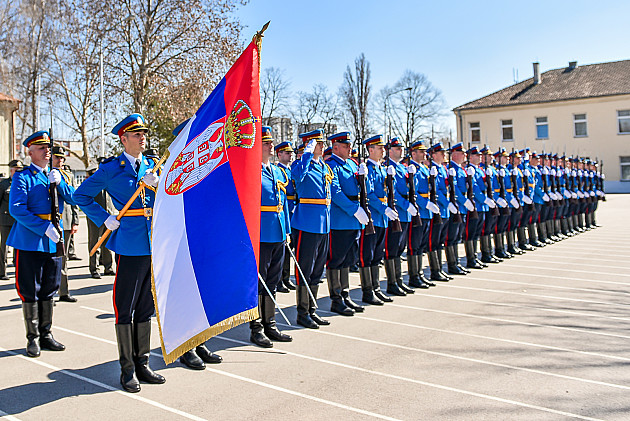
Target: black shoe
<point>274,334</point>
<point>479,262</point>
<point>486,258</point>
<point>393,289</point>
<point>306,321</point>
<point>472,264</point>
<point>129,382</point>
<point>290,285</point>
<point>438,276</point>
<point>526,247</point>
<point>109,273</point>
<point>74,257</point>
<point>315,317</point>
<point>259,338</point>
<point>4,278</point>
<point>96,275</point>
<point>456,270</point>
<point>49,343</point>
<point>406,289</point>
<point>68,298</point>
<point>145,374</point>
<point>340,307</point>
<point>379,294</point>
<point>354,268</point>
<point>32,348</point>
<point>349,303</point>
<point>282,288</point>
<point>370,298</point>
<point>417,283</point>
<point>191,360</point>
<point>207,356</point>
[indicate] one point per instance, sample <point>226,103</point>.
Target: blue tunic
<point>422,189</point>
<point>401,191</point>
<point>274,215</point>
<point>313,187</point>
<point>344,195</point>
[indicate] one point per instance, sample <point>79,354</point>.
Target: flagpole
<point>273,299</point>
<point>297,265</point>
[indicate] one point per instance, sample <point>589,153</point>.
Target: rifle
<point>394,225</point>
<point>514,182</point>
<point>502,192</point>
<point>54,202</point>
<point>469,190</point>
<point>555,162</point>
<point>544,178</point>
<point>488,180</point>
<point>601,179</point>
<point>526,190</point>
<point>369,228</point>
<point>455,217</point>
<point>437,218</point>
<point>411,182</point>
<point>552,185</point>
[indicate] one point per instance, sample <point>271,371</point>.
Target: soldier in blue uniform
<point>517,211</point>
<point>490,177</point>
<point>506,202</point>
<point>133,301</point>
<point>395,242</point>
<point>540,197</point>
<point>418,238</point>
<point>274,227</point>
<point>35,238</point>
<point>284,150</point>
<point>372,247</point>
<point>310,224</point>
<point>457,230</point>
<point>529,210</point>
<point>347,218</point>
<point>6,220</point>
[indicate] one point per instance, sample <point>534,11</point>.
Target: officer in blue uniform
<point>418,237</point>
<point>529,210</point>
<point>457,230</point>
<point>347,218</point>
<point>490,220</point>
<point>504,198</point>
<point>517,211</point>
<point>284,150</point>
<point>310,224</point>
<point>540,197</point>
<point>274,228</point>
<point>133,301</point>
<point>438,232</point>
<point>395,242</point>
<point>372,247</point>
<point>35,238</point>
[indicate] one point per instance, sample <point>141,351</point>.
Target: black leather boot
<point>479,262</point>
<point>257,336</point>
<point>456,254</point>
<point>392,285</point>
<point>434,265</point>
<point>399,279</point>
<point>423,278</point>
<point>337,304</point>
<point>46,340</point>
<point>207,356</point>
<point>344,281</point>
<point>533,236</point>
<point>191,360</point>
<point>269,321</point>
<point>31,322</point>
<point>314,316</point>
<point>376,285</point>
<point>142,350</point>
<point>128,379</point>
<point>452,262</point>
<point>522,240</point>
<point>303,316</point>
<point>414,272</point>
<point>446,275</point>
<point>471,259</point>
<point>511,246</point>
<point>365,274</point>
<point>499,247</point>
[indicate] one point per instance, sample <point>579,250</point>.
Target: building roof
<point>568,83</point>
<point>7,98</point>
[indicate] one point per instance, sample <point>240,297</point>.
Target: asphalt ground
<point>543,336</point>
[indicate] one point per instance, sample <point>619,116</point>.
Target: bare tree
<point>316,107</point>
<point>274,92</point>
<point>355,96</point>
<point>412,112</point>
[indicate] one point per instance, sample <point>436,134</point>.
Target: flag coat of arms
<point>206,222</point>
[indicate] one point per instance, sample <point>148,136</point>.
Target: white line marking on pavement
<point>423,383</point>
<point>539,267</point>
<point>496,319</point>
<point>100,384</point>
<point>267,385</point>
<point>473,360</point>
<point>552,276</point>
<point>5,416</point>
<point>585,256</point>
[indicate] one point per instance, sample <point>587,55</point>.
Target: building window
<point>507,131</point>
<point>542,128</point>
<point>579,124</point>
<point>625,168</point>
<point>623,118</point>
<point>475,132</point>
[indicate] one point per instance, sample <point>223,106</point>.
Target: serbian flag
<point>206,218</point>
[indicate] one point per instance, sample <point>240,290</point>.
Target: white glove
<point>451,172</point>
<point>412,210</point>
<point>490,203</point>
<point>514,171</point>
<point>411,169</point>
<point>514,203</point>
<point>52,233</point>
<point>592,194</point>
<point>545,197</point>
<point>545,171</point>
<point>580,194</point>
<point>54,176</point>
<point>591,175</point>
<point>553,196</point>
<point>489,172</point>
<point>363,169</point>
<point>391,213</point>
<point>573,173</point>
<point>600,193</point>
<point>527,172</point>
<point>580,173</point>
<point>469,205</point>
<point>432,207</point>
<point>559,172</point>
<point>361,216</point>
<point>501,202</point>
<point>567,194</point>
<point>502,172</point>
<point>573,195</point>
<point>452,209</point>
<point>552,172</point>
<point>391,170</point>
<point>310,148</point>
<point>603,176</point>
<point>470,171</point>
<point>111,223</point>
<point>527,199</point>
<point>151,179</point>
<point>434,171</point>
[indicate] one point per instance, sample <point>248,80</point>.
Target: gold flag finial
<point>260,34</point>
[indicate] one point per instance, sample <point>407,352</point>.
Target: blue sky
<point>467,49</point>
